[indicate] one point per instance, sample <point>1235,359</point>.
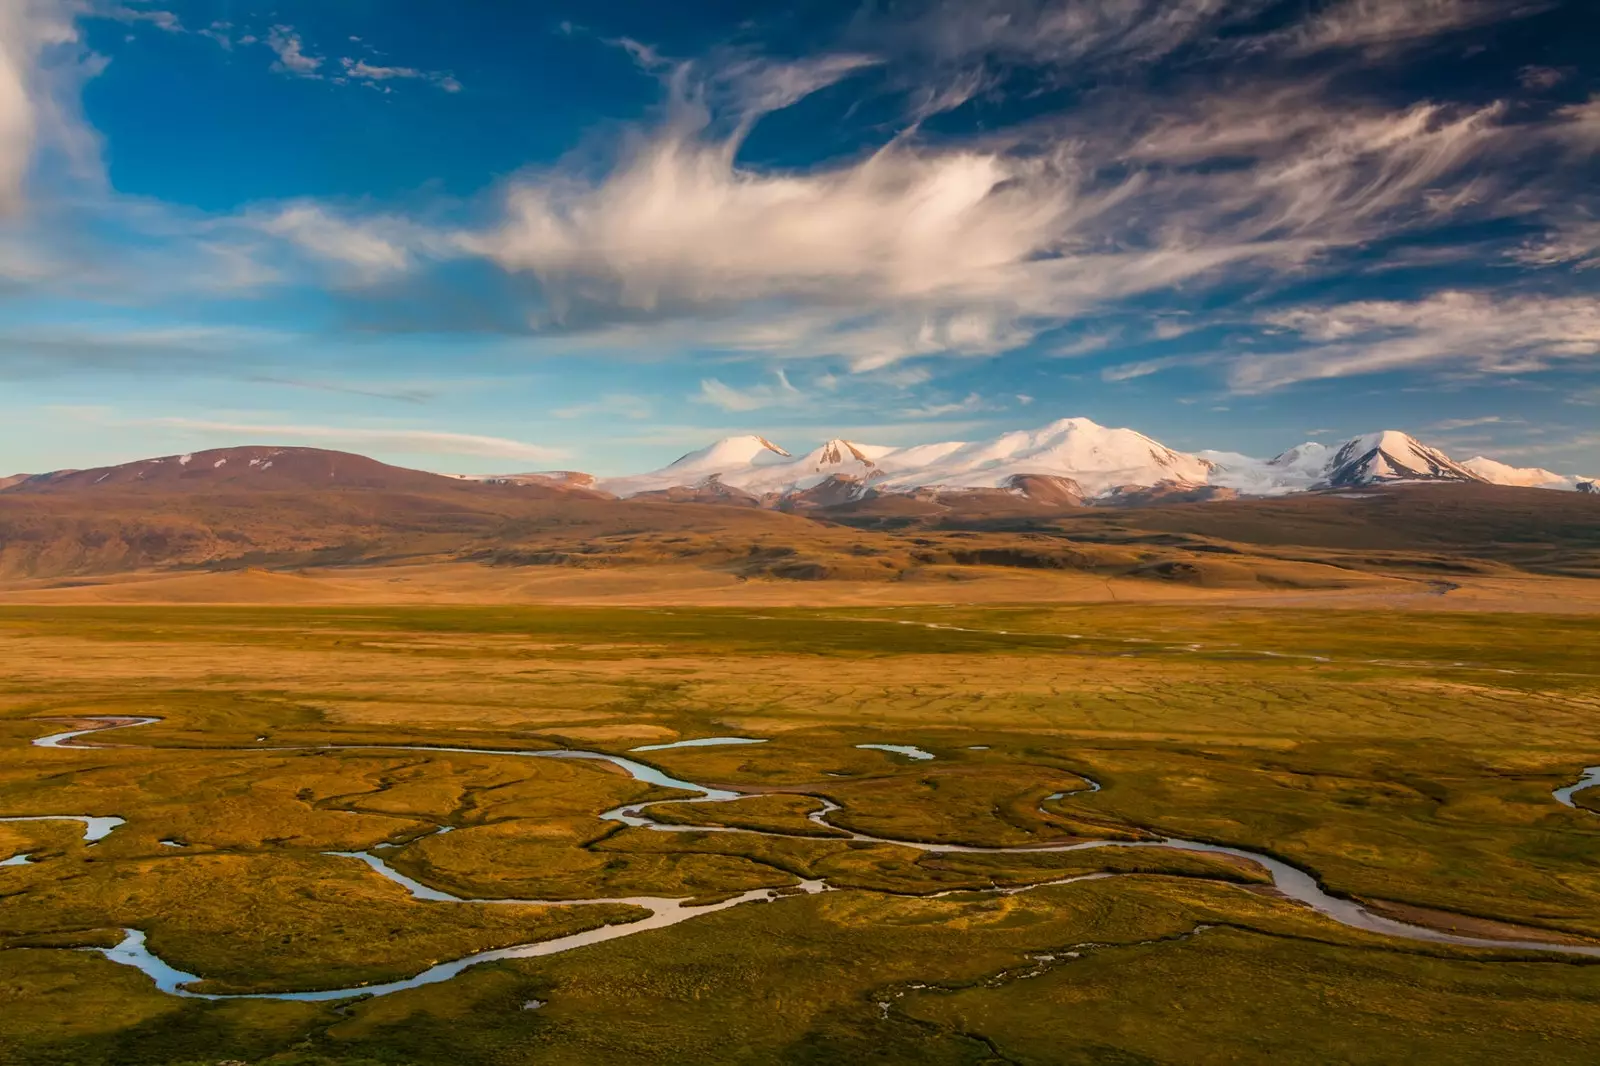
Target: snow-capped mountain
<point>1066,462</point>
<point>1391,456</point>
<point>1097,459</point>
<point>1528,476</point>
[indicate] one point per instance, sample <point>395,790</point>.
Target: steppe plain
<point>1377,692</point>
<point>1406,757</point>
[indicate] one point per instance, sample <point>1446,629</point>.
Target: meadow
<point>1407,759</point>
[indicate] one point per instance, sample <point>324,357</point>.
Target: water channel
<point>1293,882</point>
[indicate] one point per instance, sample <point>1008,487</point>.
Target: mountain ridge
<point>1102,465</point>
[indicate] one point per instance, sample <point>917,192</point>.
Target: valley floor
<point>1407,758</point>
<point>468,584</point>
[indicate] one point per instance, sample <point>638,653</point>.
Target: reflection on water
<point>703,742</point>
<point>899,749</point>
<point>1590,779</point>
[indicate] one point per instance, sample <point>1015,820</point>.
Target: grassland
<point>1407,759</point>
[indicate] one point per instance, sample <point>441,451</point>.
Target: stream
<point>1291,881</point>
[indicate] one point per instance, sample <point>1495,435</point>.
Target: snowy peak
<point>838,452</point>
<point>1497,473</point>
<point>732,462</point>
<point>1072,459</point>
<point>1096,458</point>
<point>730,452</point>
<point>1304,457</point>
<point>1391,456</point>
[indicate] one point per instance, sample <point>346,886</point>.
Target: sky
<point>476,236</point>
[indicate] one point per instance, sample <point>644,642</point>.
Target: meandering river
<point>1290,880</point>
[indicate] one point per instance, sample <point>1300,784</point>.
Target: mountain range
<point>1071,461</point>
<point>844,511</point>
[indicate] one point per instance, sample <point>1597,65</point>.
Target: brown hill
<point>1441,526</point>
<point>253,469</point>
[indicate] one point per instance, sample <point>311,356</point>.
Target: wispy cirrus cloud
<point>1451,425</point>
<point>1247,168</point>
<point>728,398</point>
<point>1383,26</point>
<point>375,74</point>
<point>1464,332</point>
<point>922,250</point>
<point>380,437</point>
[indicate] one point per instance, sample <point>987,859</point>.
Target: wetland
<point>406,823</point>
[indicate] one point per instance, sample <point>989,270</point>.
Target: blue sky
<point>475,236</point>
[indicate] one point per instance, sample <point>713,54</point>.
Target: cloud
<point>1539,78</point>
<point>728,398</point>
<point>968,404</point>
<point>51,350</point>
<point>1469,333</point>
<point>1580,125</point>
<point>290,50</point>
<point>937,247</point>
<point>1572,241</point>
<point>403,395</point>
<point>371,248</point>
<point>1451,424</point>
<point>41,66</point>
<point>1077,33</point>
<point>1386,26</point>
<point>1145,367</point>
<point>161,20</point>
<point>408,440</point>
<point>360,70</point>
<point>609,405</point>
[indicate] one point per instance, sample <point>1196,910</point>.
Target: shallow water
<point>62,740</point>
<point>899,749</point>
<point>94,828</point>
<point>703,742</point>
<point>1293,882</point>
<point>1590,779</point>
<point>133,951</point>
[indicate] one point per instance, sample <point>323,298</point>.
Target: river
<point>1293,882</point>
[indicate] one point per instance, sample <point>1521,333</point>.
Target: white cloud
<point>1580,124</point>
<point>397,439</point>
<point>610,405</point>
<point>370,249</point>
<point>925,250</point>
<point>1452,424</point>
<point>1457,332</point>
<point>290,50</point>
<point>371,74</point>
<point>728,398</point>
<point>161,20</point>
<point>40,68</point>
<point>967,405</point>
<point>1572,241</point>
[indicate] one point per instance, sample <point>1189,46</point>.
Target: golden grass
<point>1423,780</point>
